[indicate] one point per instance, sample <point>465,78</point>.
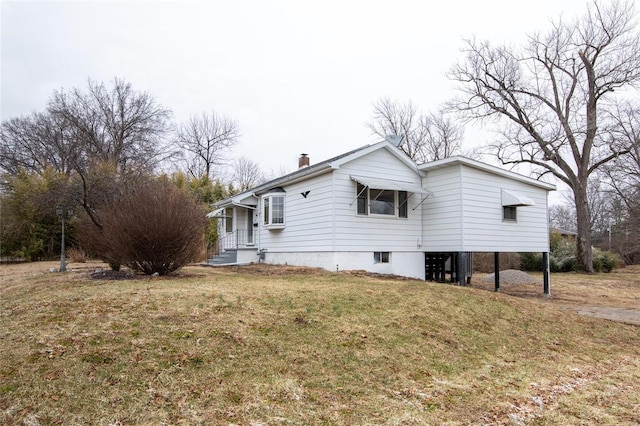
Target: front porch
<point>234,248</point>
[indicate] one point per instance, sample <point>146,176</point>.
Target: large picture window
<point>381,202</point>
<point>273,210</point>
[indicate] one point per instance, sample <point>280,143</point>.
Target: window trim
<point>268,210</point>
<point>363,202</point>
<point>506,209</point>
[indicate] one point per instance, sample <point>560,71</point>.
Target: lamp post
<point>63,212</point>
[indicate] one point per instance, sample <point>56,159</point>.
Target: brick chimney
<point>303,161</point>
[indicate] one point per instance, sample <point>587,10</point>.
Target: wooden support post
<point>545,273</point>
<point>496,269</point>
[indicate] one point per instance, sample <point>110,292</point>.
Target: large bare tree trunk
<point>584,254</point>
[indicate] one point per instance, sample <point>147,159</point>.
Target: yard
<point>282,345</point>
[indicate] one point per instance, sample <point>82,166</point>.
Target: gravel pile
<point>513,276</point>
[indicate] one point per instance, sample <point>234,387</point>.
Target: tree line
<point>564,104</point>
<point>89,149</point>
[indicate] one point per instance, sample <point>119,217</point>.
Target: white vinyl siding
<point>308,221</point>
<point>355,232</point>
<point>466,213</point>
<point>442,217</point>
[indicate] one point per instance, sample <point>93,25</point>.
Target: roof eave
<point>309,172</point>
<point>445,162</point>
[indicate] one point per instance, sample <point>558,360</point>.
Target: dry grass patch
<point>267,345</point>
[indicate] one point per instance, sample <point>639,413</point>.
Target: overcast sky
<point>298,76</point>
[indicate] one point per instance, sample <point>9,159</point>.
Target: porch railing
<point>231,241</point>
<point>234,240</point>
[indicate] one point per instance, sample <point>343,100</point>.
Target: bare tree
<point>246,173</point>
<point>548,100</point>
<point>100,139</point>
<point>563,217</point>
<point>117,133</point>
<point>623,178</point>
<point>443,136</point>
<point>426,137</point>
<point>35,143</point>
<point>624,172</point>
<point>116,125</point>
<point>206,139</point>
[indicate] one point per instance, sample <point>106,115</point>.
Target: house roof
<point>459,160</point>
<point>563,232</point>
<point>248,198</point>
<point>317,169</point>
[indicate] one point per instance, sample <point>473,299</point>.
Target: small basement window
<point>509,213</point>
<point>381,256</point>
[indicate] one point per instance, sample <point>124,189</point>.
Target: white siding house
<point>466,212</point>
<point>374,209</point>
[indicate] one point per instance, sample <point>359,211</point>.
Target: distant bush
<point>605,261</point>
<point>152,228</point>
<point>78,255</point>
<point>565,261</point>
<point>484,262</point>
<point>531,261</point>
<point>568,264</point>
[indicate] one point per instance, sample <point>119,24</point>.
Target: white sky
<point>298,76</point>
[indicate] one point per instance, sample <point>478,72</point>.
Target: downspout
<point>258,237</point>
<point>461,209</point>
<point>333,220</point>
<point>422,206</point>
<point>461,273</point>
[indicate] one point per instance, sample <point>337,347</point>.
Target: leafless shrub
<point>152,228</point>
<point>77,255</point>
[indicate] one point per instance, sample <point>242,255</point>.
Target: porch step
<point>227,256</point>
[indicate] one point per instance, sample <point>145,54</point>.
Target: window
<point>363,199</point>
<point>228,219</point>
<point>381,256</point>
<point>381,201</point>
<point>273,210</point>
<point>509,213</point>
<point>403,204</point>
